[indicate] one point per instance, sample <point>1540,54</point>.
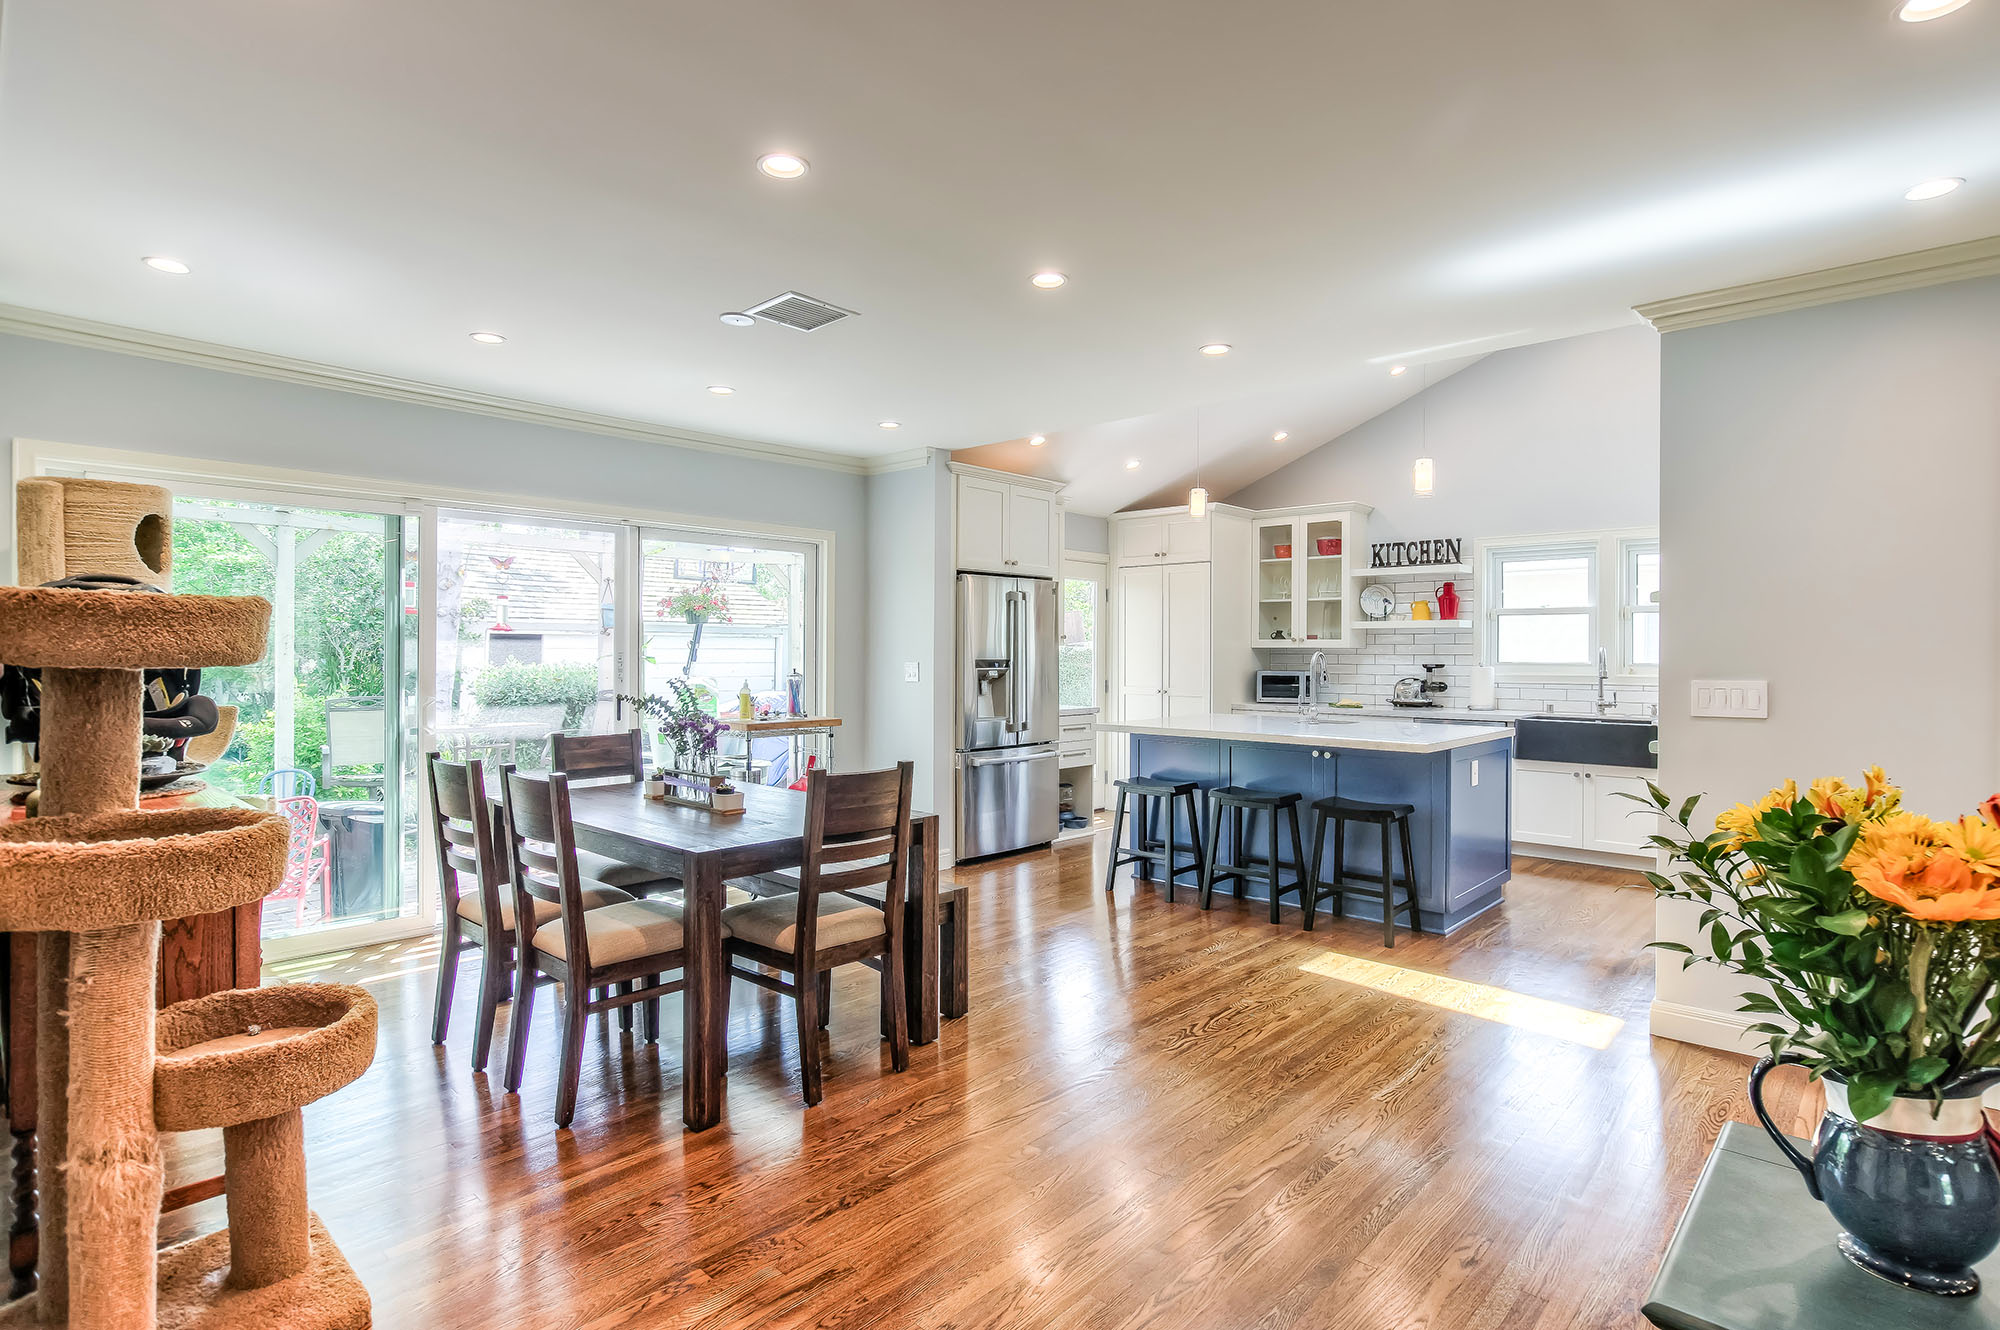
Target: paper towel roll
<point>1482,688</point>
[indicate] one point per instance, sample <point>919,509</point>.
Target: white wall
<point>911,587</point>
<point>1560,436</point>
<point>80,395</point>
<point>1830,517</point>
<point>1086,534</point>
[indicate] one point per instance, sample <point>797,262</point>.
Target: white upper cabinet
<point>1160,538</point>
<point>1008,527</point>
<point>1306,585</point>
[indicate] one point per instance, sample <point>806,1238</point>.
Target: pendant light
<point>1198,496</point>
<point>1423,476</point>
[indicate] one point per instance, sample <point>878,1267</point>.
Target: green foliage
<point>518,684</point>
<point>1855,988</point>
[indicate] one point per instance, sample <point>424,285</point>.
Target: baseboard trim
<point>1637,863</point>
<point>1726,1030</point>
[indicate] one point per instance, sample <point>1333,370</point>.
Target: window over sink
<point>1553,603</point>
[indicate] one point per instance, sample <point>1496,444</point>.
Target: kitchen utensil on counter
<point>1377,601</point>
<point>1434,680</point>
<point>1409,692</point>
<point>1447,602</point>
<point>1420,609</point>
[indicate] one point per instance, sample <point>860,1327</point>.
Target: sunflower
<point>1974,840</point>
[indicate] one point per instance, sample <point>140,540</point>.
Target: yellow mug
<point>1420,609</point>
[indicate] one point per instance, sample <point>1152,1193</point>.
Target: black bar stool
<point>1340,812</point>
<point>1243,805</point>
<point>1148,794</point>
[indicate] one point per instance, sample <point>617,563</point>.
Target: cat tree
<point>94,876</point>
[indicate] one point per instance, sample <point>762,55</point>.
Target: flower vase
<point>1915,1188</point>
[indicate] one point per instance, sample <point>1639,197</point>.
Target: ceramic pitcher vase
<point>1916,1192</point>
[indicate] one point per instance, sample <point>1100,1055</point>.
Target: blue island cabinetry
<point>1457,777</point>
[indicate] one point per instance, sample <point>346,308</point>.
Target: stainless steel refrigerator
<point>1005,768</point>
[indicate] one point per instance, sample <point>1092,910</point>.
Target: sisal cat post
<point>94,876</point>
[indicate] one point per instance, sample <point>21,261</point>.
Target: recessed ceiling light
<point>1216,349</point>
<point>1397,371</point>
<point>720,389</point>
<point>1923,11</point>
<point>1131,464</point>
<point>782,165</point>
<point>892,424</point>
<point>490,338</point>
<point>1048,280</point>
<point>1934,189</point>
<point>1280,437</point>
<point>1037,440</point>
<point>161,263</point>
<point>735,320</point>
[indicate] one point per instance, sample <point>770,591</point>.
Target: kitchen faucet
<point>1602,704</point>
<point>1315,672</point>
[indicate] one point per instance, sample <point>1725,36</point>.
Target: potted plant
<point>697,604</point>
<point>1875,935</point>
<point>687,727</point>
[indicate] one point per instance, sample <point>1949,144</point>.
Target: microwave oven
<point>1292,686</point>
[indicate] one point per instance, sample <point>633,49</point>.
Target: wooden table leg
<point>955,944</point>
<point>705,997</point>
<point>920,941</point>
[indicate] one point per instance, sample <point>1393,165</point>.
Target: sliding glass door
<point>526,627</point>
<point>323,720</point>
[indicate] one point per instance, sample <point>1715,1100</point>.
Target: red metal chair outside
<point>308,857</point>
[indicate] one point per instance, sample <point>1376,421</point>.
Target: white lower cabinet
<point>1581,808</point>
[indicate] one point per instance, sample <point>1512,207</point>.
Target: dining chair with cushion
<point>618,756</point>
<point>468,843</point>
<point>857,837</point>
<point>606,959</point>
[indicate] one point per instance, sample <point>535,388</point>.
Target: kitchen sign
<point>1416,554</point>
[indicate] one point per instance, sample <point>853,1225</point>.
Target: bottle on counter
<point>746,703</point>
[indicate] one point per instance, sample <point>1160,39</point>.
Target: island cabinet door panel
<point>1548,806</point>
<point>1478,846</point>
<point>1393,778</point>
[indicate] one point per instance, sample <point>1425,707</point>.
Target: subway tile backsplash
<point>1368,674</point>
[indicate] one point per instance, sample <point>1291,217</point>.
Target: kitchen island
<point>1456,776</point>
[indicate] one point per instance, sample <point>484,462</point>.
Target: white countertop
<point>1374,734</point>
<point>1498,715</point>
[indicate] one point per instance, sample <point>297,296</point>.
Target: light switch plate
<point>1735,699</point>
<point>913,671</point>
<point>1475,771</point>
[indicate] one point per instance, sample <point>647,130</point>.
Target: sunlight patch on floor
<point>1536,1015</point>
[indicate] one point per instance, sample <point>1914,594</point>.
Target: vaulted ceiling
<point>1328,188</point>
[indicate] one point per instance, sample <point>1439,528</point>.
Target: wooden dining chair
<point>468,844</point>
<point>605,959</point>
<point>857,836</point>
<point>619,756</point>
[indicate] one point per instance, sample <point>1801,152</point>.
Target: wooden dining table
<point>705,850</point>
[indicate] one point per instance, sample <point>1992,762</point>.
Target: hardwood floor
<point>1152,1117</point>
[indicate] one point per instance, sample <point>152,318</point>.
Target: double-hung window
<point>1552,606</point>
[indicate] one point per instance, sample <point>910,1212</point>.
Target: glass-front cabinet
<point>1304,584</point>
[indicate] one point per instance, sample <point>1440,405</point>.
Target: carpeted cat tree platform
<point>94,875</point>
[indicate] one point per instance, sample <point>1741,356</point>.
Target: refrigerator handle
<point>1014,725</point>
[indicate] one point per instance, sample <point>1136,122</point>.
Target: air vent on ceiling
<point>800,312</point>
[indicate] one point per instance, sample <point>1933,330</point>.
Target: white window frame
<point>1630,548</point>
<point>1612,553</point>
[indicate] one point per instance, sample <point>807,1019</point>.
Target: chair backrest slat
<point>851,817</point>
<point>597,756</point>
<point>541,851</point>
<point>463,824</point>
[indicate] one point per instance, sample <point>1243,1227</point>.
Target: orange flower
<point>1990,810</point>
<point>1974,840</point>
<point>1879,791</point>
<point>1741,821</point>
<point>1927,882</point>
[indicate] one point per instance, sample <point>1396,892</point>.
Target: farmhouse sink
<point>1587,740</point>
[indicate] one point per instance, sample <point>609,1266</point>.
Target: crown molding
<point>1899,272</point>
<point>72,331</point>
<point>1009,477</point>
